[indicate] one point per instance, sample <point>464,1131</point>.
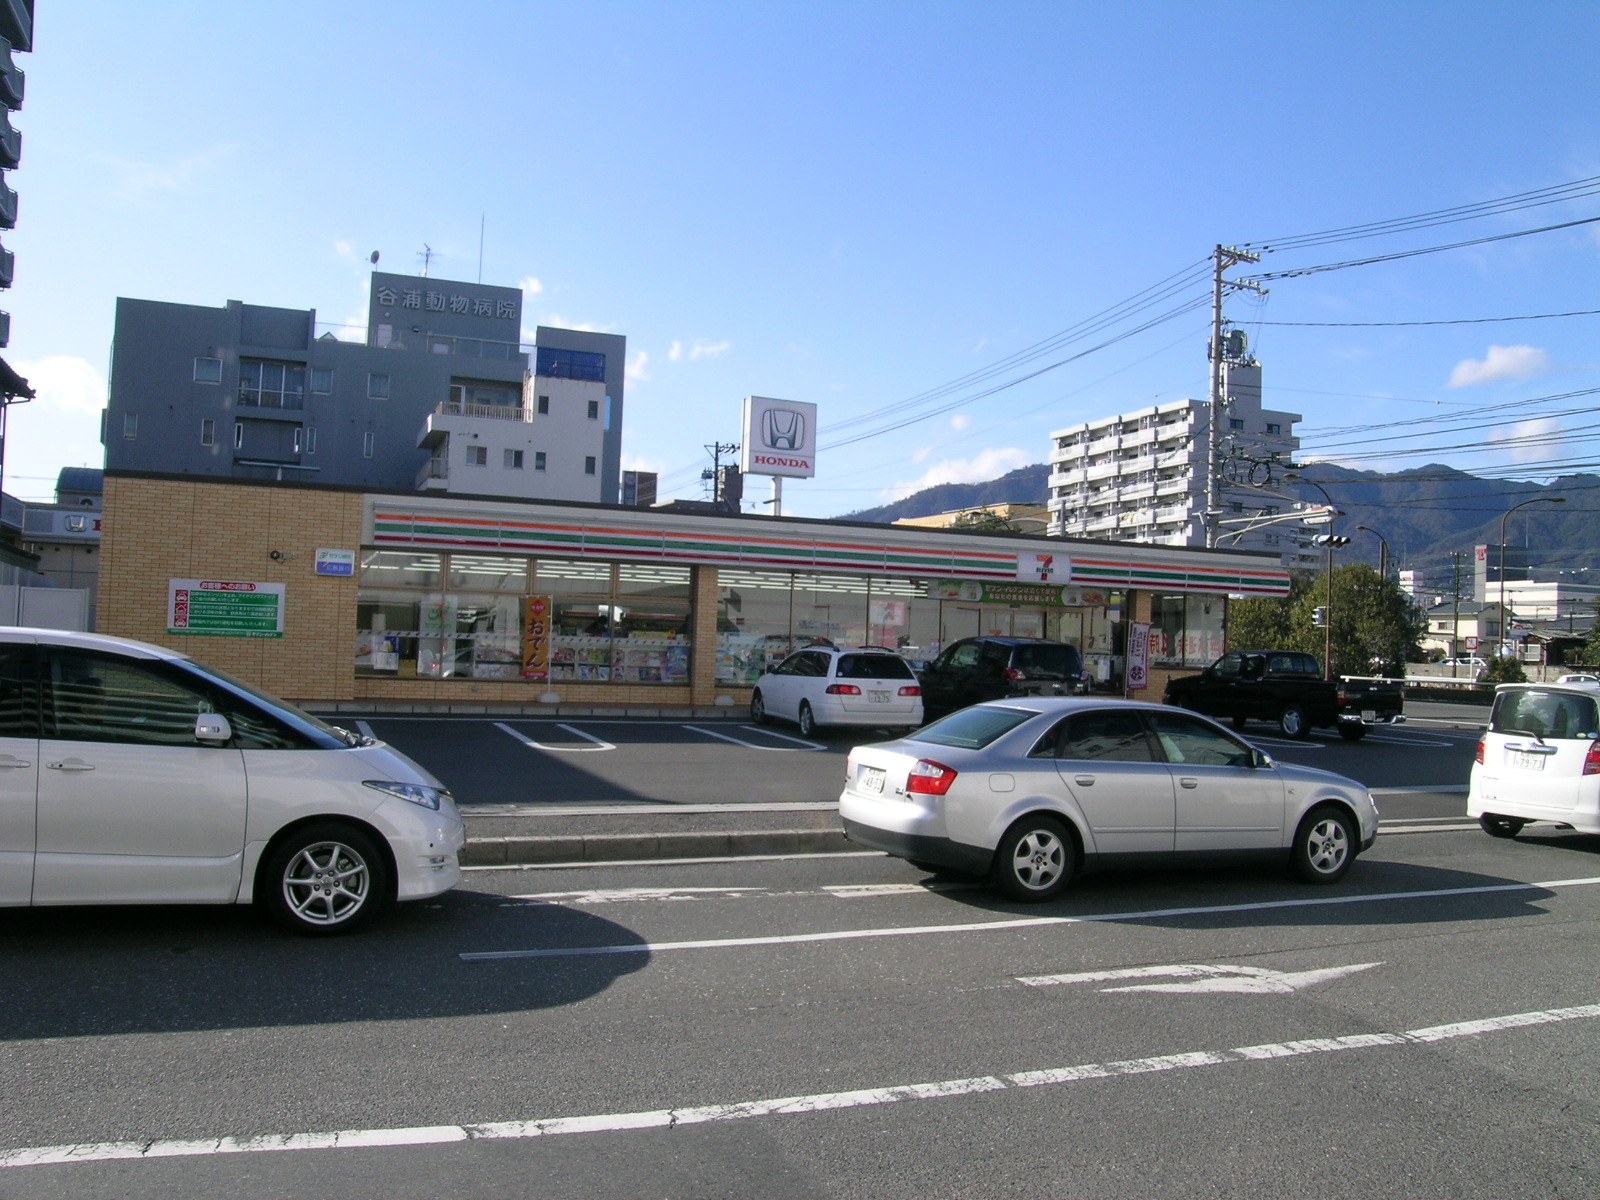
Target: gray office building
<point>442,396</point>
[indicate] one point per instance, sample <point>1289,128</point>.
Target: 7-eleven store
<point>400,601</point>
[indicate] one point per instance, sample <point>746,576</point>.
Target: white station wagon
<point>131,774</point>
<point>1539,759</point>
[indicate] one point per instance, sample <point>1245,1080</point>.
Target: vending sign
<point>225,608</point>
<point>536,613</point>
<point>1138,672</point>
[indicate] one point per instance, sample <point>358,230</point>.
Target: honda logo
<point>783,429</point>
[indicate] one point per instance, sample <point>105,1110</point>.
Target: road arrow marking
<point>1206,978</point>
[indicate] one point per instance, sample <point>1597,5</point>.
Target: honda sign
<point>780,437</point>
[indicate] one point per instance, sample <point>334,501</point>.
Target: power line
<point>1588,312</point>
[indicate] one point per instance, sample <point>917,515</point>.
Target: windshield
<point>330,737</point>
<point>1060,661</point>
<point>1544,714</point>
<point>874,666</point>
<point>973,728</point>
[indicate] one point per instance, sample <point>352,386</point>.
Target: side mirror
<point>212,727</point>
<point>1260,759</point>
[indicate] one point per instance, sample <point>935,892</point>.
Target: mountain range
<point>1425,513</point>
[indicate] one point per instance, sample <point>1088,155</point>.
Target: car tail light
<point>929,778</point>
<point>843,689</point>
<point>1478,758</point>
<point>1591,760</point>
<point>1015,674</point>
<point>1340,699</point>
<point>911,691</point>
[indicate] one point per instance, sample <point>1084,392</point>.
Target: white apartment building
<point>1142,476</point>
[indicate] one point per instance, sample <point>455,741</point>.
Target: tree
<point>1376,628</point>
<point>1590,652</point>
<point>1503,670</point>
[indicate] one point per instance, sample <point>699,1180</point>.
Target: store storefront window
<point>752,623</point>
<point>484,614</point>
<point>650,634</point>
<point>398,595</point>
<point>830,609</point>
<point>1186,631</point>
<point>580,591</point>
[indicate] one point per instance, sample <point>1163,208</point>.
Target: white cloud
<point>138,179</point>
<point>66,384</point>
<point>633,462</point>
<point>922,454</point>
<point>635,371</point>
<point>960,421</point>
<point>676,352</point>
<point>985,465</point>
<point>531,287</point>
<point>709,349</point>
<point>1537,427</point>
<point>342,248</point>
<point>1502,362</point>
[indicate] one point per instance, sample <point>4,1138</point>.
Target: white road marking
<point>622,895</point>
<point>1443,789</point>
<point>590,864</point>
<point>674,1118</point>
<point>597,746</point>
<point>1389,739</point>
<point>1387,830</point>
<point>802,748</point>
<point>628,806</point>
<point>1205,978</point>
<point>1285,743</point>
<point>784,736</point>
<point>841,891</point>
<point>845,935</point>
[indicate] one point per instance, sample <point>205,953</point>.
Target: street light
<point>1505,623</point>
<point>1330,541</point>
<point>1383,552</point>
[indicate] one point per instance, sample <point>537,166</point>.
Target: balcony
<point>8,206</point>
<point>1103,471</point>
<point>435,473</point>
<point>1067,479</point>
<point>493,412</point>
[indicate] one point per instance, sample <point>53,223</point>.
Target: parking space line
<point>801,749</point>
<point>773,733</point>
<point>590,864</point>
<point>845,935</point>
<point>597,747</point>
<point>679,1118</point>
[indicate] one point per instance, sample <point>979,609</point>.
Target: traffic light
<point>1319,616</point>
<point>1329,539</point>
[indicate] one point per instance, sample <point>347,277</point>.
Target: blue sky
<point>844,203</point>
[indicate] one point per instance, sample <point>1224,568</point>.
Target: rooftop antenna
<point>374,259</point>
<point>427,257</point>
<point>480,246</point>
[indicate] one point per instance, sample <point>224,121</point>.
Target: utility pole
<point>1455,617</point>
<point>1221,259</point>
<point>717,450</point>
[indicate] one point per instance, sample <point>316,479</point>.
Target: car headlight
<point>416,793</point>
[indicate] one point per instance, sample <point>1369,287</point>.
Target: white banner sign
<point>780,438</point>
<point>1138,656</point>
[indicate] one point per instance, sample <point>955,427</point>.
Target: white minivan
<point>1539,759</point>
<point>131,774</point>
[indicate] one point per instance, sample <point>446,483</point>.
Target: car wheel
<point>1035,860</point>
<point>1324,845</point>
<point>1292,723</point>
<point>1352,732</point>
<point>758,709</point>
<point>808,723</point>
<point>1500,827</point>
<point>326,879</point>
<point>1240,722</point>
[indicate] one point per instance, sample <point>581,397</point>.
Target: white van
<point>1539,760</point>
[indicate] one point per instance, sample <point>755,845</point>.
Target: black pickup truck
<point>1286,688</point>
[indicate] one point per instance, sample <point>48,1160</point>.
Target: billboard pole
<point>777,495</point>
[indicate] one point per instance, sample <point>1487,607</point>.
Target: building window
<point>477,456</point>
<point>377,386</point>
<point>208,432</point>
<point>1185,631</point>
<point>1274,428</point>
<point>588,464</point>
<point>538,460</point>
<point>544,406</point>
<point>513,460</point>
<point>299,439</point>
<point>130,426</point>
<point>207,370</point>
<point>366,445</point>
<point>594,410</point>
<point>238,435</point>
<point>311,439</point>
<point>321,381</point>
<point>570,364</point>
<point>1235,422</point>
<point>267,384</point>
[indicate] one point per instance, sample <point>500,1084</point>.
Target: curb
<point>615,847</point>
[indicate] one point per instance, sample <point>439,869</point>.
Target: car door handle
<point>1084,780</point>
<point>1186,781</point>
<point>71,764</point>
<point>7,760</point>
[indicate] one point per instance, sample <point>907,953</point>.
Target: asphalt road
<point>836,1026</point>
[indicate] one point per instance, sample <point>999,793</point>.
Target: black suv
<point>993,668</point>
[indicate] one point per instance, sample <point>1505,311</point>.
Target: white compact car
<point>1029,791</point>
<point>824,686</point>
<point>130,774</point>
<point>1539,759</point>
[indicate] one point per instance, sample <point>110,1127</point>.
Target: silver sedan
<point>1032,792</point>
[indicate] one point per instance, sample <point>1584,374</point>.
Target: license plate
<point>878,697</point>
<point>1524,761</point>
<point>872,779</point>
<point>1369,715</point>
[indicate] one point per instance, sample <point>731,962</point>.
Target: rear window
<point>973,728</point>
<point>1544,714</point>
<point>874,666</point>
<point>1294,664</point>
<point>1059,661</point>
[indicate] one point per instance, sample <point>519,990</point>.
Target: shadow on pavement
<point>73,972</point>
